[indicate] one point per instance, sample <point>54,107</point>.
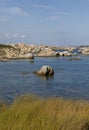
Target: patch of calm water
<point>71,78</point>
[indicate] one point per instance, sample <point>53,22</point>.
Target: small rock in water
<point>45,70</point>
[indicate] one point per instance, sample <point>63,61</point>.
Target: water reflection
<point>49,77</point>
<point>32,61</point>
<point>25,73</point>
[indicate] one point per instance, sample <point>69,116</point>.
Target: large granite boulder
<point>45,70</point>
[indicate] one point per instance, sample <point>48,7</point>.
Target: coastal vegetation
<point>2,46</point>
<point>36,113</point>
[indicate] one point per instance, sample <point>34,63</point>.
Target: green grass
<point>34,113</point>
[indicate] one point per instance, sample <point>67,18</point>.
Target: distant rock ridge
<point>22,50</point>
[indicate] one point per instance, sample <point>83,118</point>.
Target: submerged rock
<point>75,58</point>
<point>45,70</point>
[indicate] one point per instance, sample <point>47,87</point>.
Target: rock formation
<point>65,53</point>
<point>45,70</point>
<point>27,56</point>
<point>28,51</point>
<point>46,52</point>
<point>8,51</point>
<point>84,50</point>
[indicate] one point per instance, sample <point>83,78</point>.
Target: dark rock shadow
<point>46,77</point>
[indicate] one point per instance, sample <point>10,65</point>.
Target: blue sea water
<point>70,80</point>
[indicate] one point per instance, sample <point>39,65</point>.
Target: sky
<point>50,22</point>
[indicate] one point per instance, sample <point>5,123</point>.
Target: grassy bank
<point>32,113</point>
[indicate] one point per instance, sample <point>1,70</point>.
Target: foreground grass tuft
<point>33,113</point>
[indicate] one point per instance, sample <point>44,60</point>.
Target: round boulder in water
<point>45,70</point>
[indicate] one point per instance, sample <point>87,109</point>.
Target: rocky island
<point>28,51</point>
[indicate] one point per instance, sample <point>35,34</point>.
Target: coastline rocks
<point>46,52</point>
<point>65,53</point>
<point>45,71</point>
<point>8,51</point>
<point>27,56</point>
<point>84,50</point>
<point>28,51</point>
<point>24,48</point>
<point>65,48</point>
<point>57,54</point>
<point>4,60</point>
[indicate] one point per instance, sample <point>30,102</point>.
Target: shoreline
<point>29,51</point>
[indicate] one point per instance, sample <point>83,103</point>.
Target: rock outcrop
<point>46,52</point>
<point>65,53</point>
<point>8,51</point>
<point>29,51</point>
<point>27,56</point>
<point>84,50</point>
<point>45,71</point>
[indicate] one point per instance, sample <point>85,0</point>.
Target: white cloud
<point>14,35</point>
<point>14,11</point>
<point>42,6</point>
